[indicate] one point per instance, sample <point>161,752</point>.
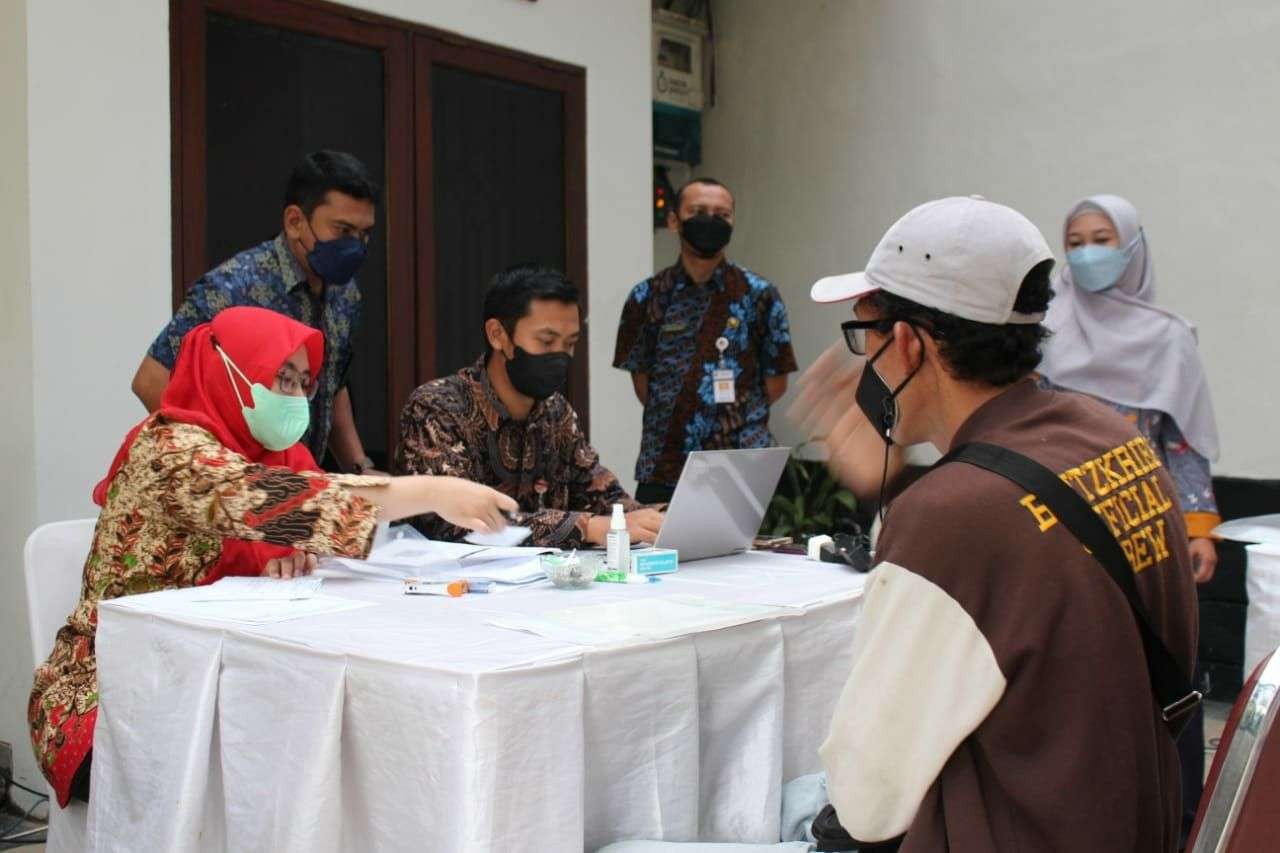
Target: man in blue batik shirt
<point>306,272</point>
<point>707,344</point>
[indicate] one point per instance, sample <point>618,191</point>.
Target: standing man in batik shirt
<point>707,344</point>
<point>306,272</point>
<point>503,423</point>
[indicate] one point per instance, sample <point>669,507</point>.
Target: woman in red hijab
<point>215,483</point>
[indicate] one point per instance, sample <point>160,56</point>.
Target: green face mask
<point>277,421</point>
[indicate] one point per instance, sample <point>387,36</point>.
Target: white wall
<point>17,439</point>
<point>834,118</point>
<point>94,150</point>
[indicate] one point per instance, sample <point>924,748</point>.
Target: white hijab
<point>1119,346</point>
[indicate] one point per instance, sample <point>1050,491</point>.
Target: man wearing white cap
<point>1000,697</point>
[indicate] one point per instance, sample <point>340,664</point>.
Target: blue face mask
<point>1096,268</point>
<point>337,261</point>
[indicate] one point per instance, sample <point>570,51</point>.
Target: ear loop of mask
<point>315,238</point>
<point>888,446</point>
<point>228,364</point>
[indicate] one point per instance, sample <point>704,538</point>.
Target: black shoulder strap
<point>1169,683</point>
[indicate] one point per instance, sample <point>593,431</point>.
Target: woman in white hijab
<point>1112,342</point>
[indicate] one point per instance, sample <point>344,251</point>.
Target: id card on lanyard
<point>722,377</point>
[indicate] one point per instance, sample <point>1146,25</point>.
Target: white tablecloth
<point>1262,619</point>
<point>416,725</point>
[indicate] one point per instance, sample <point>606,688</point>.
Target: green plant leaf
<point>824,491</point>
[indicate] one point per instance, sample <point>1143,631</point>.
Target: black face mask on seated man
<point>706,234</point>
<point>538,376</point>
<point>877,401</point>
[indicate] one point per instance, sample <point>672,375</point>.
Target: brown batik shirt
<point>999,697</point>
<point>457,427</point>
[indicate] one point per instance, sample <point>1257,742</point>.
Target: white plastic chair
<point>53,562</point>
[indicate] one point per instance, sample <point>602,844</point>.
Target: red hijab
<point>200,392</point>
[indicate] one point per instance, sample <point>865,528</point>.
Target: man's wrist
<point>360,466</point>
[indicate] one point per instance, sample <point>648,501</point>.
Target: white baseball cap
<point>964,256</point>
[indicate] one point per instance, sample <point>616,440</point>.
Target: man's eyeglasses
<point>855,333</point>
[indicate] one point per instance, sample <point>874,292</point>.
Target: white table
<point>416,725</point>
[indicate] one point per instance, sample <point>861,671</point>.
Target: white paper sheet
<point>508,537</point>
<point>419,553</point>
<point>260,589</point>
<point>507,553</point>
<point>184,603</point>
<point>341,566</point>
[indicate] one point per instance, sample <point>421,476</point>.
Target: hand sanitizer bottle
<point>618,555</point>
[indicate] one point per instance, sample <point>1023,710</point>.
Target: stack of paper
<point>429,559</point>
<point>514,570</point>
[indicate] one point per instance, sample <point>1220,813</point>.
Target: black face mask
<point>706,234</point>
<point>877,401</point>
<point>538,376</point>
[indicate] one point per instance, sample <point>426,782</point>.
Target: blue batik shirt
<point>669,329</point>
<point>268,276</point>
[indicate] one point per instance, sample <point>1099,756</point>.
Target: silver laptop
<point>720,501</point>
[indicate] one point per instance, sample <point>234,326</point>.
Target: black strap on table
<point>1173,692</point>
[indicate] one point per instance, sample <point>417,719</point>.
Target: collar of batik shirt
<point>717,275</point>
<point>491,405</point>
<point>290,270</point>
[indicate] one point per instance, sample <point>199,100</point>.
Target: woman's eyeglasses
<point>292,382</point>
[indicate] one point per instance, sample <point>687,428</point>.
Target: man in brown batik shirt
<point>502,422</point>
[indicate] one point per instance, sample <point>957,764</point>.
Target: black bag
<point>1169,684</point>
<point>831,837</point>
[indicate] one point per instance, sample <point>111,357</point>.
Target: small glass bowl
<point>571,571</point>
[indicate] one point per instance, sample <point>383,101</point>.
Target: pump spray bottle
<point>618,553</point>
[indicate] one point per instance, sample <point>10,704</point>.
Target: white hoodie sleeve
<point>924,677</point>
